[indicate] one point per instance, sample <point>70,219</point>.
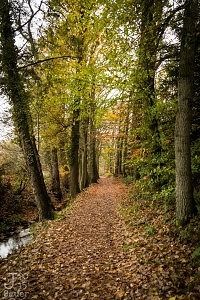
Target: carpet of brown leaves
<point>93,254</point>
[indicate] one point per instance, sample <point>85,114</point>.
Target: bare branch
<point>45,60</point>
<point>31,17</point>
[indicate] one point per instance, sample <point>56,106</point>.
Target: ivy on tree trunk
<point>20,110</point>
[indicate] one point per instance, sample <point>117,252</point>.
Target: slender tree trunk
<point>74,154</point>
<point>119,149</point>
<point>55,185</point>
<point>184,190</point>
<point>75,131</point>
<point>64,176</point>
<point>125,143</point>
<point>18,99</point>
<point>84,180</point>
<point>38,131</point>
<point>118,165</point>
<point>93,164</point>
<point>94,173</point>
<point>98,154</point>
<point>151,14</point>
<point>95,170</point>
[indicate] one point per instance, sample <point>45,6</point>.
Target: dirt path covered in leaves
<point>87,255</point>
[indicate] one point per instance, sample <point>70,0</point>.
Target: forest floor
<point>104,249</point>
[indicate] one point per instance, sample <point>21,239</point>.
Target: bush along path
<point>101,251</point>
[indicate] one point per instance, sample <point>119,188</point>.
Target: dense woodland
<point>102,87</point>
<point>99,88</point>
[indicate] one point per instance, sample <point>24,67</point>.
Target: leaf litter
<point>99,251</point>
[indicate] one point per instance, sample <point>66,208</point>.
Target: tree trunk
<point>84,180</point>
<point>93,165</point>
<point>119,147</point>
<point>63,159</point>
<point>125,142</point>
<point>75,130</point>
<point>19,100</point>
<point>74,154</point>
<point>151,15</point>
<point>118,164</point>
<point>94,173</point>
<point>55,176</point>
<point>184,190</point>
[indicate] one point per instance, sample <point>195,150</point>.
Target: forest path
<point>80,257</point>
<point>92,254</point>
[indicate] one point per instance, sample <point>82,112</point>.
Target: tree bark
<point>151,15</point>
<point>93,166</point>
<point>125,142</point>
<point>84,180</point>
<point>74,154</point>
<point>184,191</point>
<point>119,149</point>
<point>63,159</point>
<point>75,131</point>
<point>19,100</point>
<point>55,185</point>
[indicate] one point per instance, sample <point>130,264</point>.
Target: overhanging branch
<point>45,60</point>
